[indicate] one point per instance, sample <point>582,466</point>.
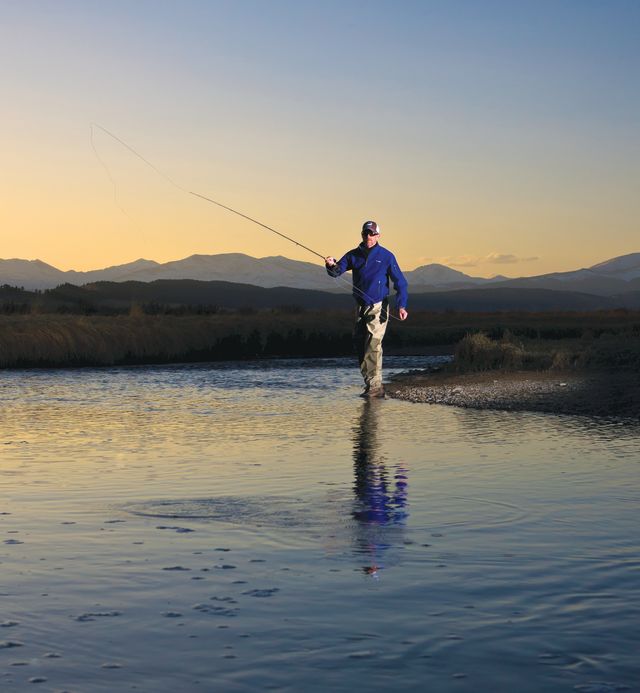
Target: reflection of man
<point>380,504</point>
<point>372,267</point>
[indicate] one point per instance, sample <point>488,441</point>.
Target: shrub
<point>477,352</point>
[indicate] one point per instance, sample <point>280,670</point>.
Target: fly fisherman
<point>372,266</point>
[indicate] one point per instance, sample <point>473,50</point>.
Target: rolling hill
<point>612,278</point>
<point>197,296</point>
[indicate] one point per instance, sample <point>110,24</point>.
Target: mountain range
<point>609,278</point>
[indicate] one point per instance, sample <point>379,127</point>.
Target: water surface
<point>241,527</point>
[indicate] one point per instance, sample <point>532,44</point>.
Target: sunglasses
<point>370,233</point>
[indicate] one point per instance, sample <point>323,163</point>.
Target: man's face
<point>370,241</point>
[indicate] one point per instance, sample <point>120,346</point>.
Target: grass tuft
<point>478,352</point>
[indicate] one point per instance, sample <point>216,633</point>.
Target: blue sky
<point>470,130</point>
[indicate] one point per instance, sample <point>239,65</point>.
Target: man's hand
<point>402,313</point>
<point>330,261</point>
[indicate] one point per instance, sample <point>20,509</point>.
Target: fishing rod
<point>255,221</point>
<point>170,180</point>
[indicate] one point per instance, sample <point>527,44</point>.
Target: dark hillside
<point>188,296</point>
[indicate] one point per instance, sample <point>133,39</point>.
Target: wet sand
<point>587,394</point>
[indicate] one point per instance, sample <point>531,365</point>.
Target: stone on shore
<point>591,394</point>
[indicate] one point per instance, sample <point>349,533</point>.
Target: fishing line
<point>108,172</point>
<point>170,180</point>
<point>116,200</point>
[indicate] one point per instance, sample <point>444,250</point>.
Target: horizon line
<point>266,257</point>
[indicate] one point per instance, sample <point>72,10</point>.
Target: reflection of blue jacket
<point>372,270</point>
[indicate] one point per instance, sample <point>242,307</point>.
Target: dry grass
<point>485,341</point>
<point>477,352</point>
<point>55,340</point>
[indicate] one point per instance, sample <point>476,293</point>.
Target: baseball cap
<point>371,227</point>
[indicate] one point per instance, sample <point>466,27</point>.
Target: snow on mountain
<point>35,274</point>
<point>267,272</point>
<point>115,273</point>
<point>439,275</point>
<point>625,267</point>
<point>606,278</point>
<point>31,274</point>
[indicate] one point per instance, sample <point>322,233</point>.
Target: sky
<point>493,137</point>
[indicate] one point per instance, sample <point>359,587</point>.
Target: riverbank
<point>593,393</point>
<point>532,340</point>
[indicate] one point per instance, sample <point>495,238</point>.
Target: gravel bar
<point>587,394</point>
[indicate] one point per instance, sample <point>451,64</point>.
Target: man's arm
<point>400,285</point>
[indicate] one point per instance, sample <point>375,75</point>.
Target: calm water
<point>259,527</point>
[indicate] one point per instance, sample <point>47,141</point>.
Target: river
<point>257,526</point>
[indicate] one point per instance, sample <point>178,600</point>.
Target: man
<point>372,266</point>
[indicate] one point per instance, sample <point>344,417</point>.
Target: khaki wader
<point>371,324</point>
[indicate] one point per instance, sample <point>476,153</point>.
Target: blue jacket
<point>371,273</point>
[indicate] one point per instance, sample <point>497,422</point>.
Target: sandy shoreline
<point>588,394</point>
